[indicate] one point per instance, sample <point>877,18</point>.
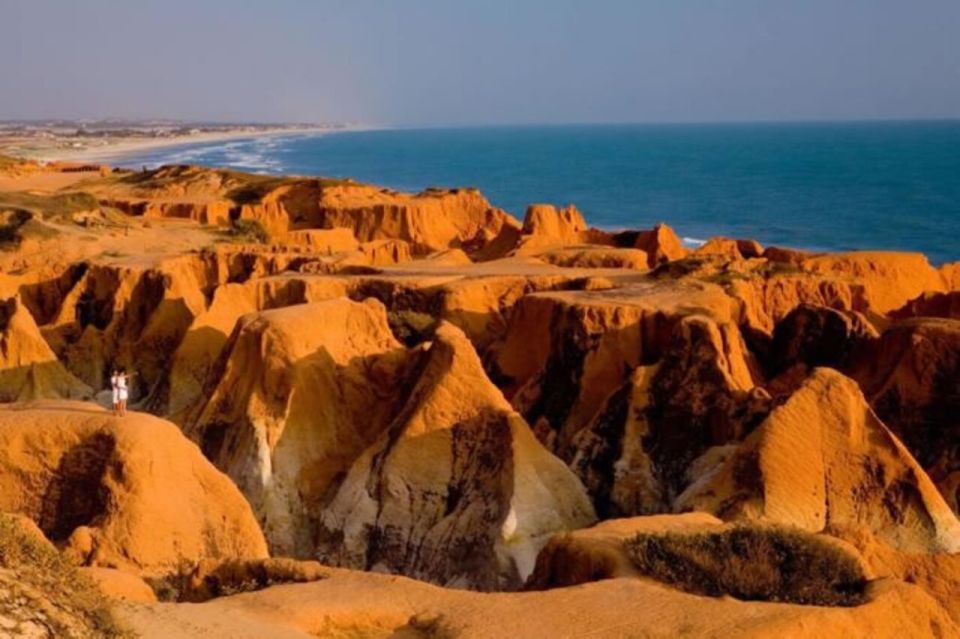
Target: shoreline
<point>112,151</point>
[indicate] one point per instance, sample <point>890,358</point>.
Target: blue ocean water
<point>824,186</point>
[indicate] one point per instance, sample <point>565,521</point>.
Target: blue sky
<point>426,62</point>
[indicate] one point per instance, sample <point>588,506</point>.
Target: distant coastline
<point>822,187</point>
<point>108,147</point>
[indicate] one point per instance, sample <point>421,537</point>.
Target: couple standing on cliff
<point>121,392</point>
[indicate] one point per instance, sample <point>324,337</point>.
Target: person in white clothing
<point>115,390</point>
<point>122,392</point>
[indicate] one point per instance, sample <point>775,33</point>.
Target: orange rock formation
<point>420,384</point>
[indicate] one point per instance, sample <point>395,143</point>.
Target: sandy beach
<point>110,149</point>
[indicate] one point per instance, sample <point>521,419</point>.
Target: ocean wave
<point>692,241</point>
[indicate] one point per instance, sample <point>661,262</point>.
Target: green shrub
<point>58,206</point>
<point>11,221</point>
<point>753,563</point>
<point>410,327</point>
<point>249,231</point>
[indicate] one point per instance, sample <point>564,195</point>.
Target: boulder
<point>823,459</point>
<point>127,492</point>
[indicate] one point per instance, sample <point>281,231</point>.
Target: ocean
<point>819,186</point>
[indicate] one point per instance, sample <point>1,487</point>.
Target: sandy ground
<point>366,605</point>
<point>45,182</point>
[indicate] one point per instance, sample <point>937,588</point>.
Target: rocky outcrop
<point>946,305</point>
<point>950,273</point>
<point>823,460</point>
<point>769,295</point>
<point>730,249</point>
<point>813,336</point>
<point>595,257</point>
<point>323,240</point>
<point>634,455</point>
<point>202,210</point>
<point>29,369</point>
<point>433,220</point>
<point>886,280</point>
<point>661,245</point>
<point>120,492</point>
<point>199,351</point>
<point>136,315</point>
<point>300,392</point>
<point>477,514</point>
<point>564,353</point>
<point>911,376</point>
<point>565,226</point>
<point>127,316</point>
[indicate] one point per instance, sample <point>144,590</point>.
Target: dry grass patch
<point>753,563</point>
<point>39,589</point>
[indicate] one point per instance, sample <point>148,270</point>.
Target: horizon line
<point>464,125</point>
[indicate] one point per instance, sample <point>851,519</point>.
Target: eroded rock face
<point>946,305</point>
<point>661,245</point>
<point>595,257</point>
<point>911,376</point>
<point>887,280</point>
<point>321,416</point>
<point>299,393</point>
<point>634,454</point>
<point>127,492</point>
<point>768,297</point>
<point>812,336</point>
<point>563,225</point>
<point>950,273</point>
<point>367,433</point>
<point>478,511</point>
<point>29,369</point>
<point>823,459</point>
<point>433,220</point>
<point>564,353</point>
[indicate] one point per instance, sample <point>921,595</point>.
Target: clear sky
<point>434,62</point>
